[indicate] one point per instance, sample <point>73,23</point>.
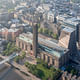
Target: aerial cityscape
<point>39,39</point>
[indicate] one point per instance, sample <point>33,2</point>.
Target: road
<point>21,68</point>
<point>8,58</point>
<point>24,69</point>
<point>10,73</point>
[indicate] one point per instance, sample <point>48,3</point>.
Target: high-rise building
<point>67,39</point>
<point>35,39</point>
<point>78,35</point>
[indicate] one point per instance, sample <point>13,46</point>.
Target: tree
<point>17,58</point>
<point>9,49</point>
<point>45,30</point>
<point>42,71</point>
<point>55,36</point>
<point>40,30</point>
<point>74,72</point>
<point>50,32</point>
<point>9,45</point>
<point>23,54</point>
<point>38,25</point>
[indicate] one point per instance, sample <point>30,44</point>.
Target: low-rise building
<point>68,21</point>
<point>9,34</point>
<point>5,16</point>
<point>68,76</point>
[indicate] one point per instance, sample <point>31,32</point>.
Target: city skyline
<point>40,40</point>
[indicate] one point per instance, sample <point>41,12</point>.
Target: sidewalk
<point>25,70</point>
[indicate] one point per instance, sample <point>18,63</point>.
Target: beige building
<point>68,76</point>
<point>48,51</point>
<point>68,39</point>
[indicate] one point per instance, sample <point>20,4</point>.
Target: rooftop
<point>68,29</point>
<point>13,30</point>
<point>53,52</point>
<point>25,37</point>
<point>72,21</point>
<point>3,29</point>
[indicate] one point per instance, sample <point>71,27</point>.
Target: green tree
<point>50,32</point>
<point>23,54</point>
<point>38,25</point>
<point>42,71</point>
<point>55,36</point>
<point>9,45</point>
<point>40,30</point>
<point>45,30</point>
<point>74,72</point>
<point>17,58</point>
<point>10,48</point>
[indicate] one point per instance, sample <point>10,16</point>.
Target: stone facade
<point>54,57</point>
<point>24,46</point>
<point>53,60</point>
<point>68,39</point>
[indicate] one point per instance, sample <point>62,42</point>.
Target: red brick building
<point>9,34</point>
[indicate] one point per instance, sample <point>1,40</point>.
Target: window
<point>26,47</point>
<point>31,47</point>
<point>22,46</point>
<point>53,61</point>
<point>19,44</point>
<point>48,59</point>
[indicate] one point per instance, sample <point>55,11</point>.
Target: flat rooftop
<point>46,45</point>
<point>3,29</point>
<point>72,21</point>
<point>9,30</point>
<point>52,51</point>
<point>13,30</point>
<point>68,29</point>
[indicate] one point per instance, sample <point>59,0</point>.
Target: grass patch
<point>42,70</point>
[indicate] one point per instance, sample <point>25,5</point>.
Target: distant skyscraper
<point>35,39</point>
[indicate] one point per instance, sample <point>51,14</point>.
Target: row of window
<point>48,59</point>
<point>23,45</point>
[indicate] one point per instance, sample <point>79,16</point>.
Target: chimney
<point>35,39</point>
<point>55,20</point>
